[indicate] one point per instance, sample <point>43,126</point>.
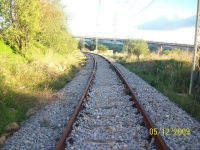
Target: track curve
<point>111,113</point>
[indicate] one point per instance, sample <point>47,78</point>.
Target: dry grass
<point>182,56</point>
<point>169,73</point>
<point>26,81</point>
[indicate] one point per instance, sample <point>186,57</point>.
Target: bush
<point>102,47</point>
<point>23,81</point>
<point>136,47</point>
<point>176,51</point>
<point>166,52</point>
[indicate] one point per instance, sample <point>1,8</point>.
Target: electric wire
<point>124,5</point>
<point>143,9</point>
<point>129,8</point>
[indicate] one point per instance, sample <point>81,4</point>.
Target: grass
<point>168,73</point>
<point>29,81</point>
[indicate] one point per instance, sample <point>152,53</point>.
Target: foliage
<point>172,52</point>
<point>102,47</point>
<point>25,81</point>
<point>166,52</point>
<point>23,22</point>
<point>53,22</point>
<point>35,29</point>
<point>4,14</point>
<point>136,47</point>
<point>92,46</point>
<point>81,44</point>
<point>170,76</point>
<point>176,50</point>
<point>115,48</point>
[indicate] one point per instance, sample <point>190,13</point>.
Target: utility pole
<point>195,72</point>
<point>97,38</point>
<point>97,25</point>
<point>115,28</point>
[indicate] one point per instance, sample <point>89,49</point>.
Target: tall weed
<point>26,81</point>
<point>169,73</point>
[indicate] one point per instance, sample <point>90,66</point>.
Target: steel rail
<point>160,144</point>
<point>61,144</point>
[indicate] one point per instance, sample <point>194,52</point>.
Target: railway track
<point>109,115</point>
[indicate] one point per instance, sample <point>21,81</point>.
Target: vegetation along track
<point>110,117</point>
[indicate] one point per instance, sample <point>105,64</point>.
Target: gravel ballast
<point>165,114</point>
<point>43,130</point>
<point>108,120</point>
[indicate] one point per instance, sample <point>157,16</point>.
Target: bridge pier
<point>187,50</point>
<point>159,49</point>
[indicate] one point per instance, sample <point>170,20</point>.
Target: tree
<point>136,47</point>
<point>20,22</point>
<point>102,47</point>
<point>23,23</point>
<point>53,31</point>
<point>91,46</point>
<point>80,44</point>
<point>5,12</point>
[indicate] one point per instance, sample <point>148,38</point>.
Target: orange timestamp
<point>169,131</point>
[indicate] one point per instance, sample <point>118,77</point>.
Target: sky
<point>154,20</point>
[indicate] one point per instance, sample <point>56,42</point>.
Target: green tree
<point>53,31</point>
<point>136,47</point>
<point>5,13</point>
<point>80,44</point>
<point>91,46</point>
<point>24,22</point>
<point>20,22</point>
<point>102,47</point>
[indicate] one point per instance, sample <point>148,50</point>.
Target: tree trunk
<point>138,58</point>
<point>20,47</point>
<point>18,39</point>
<point>11,16</point>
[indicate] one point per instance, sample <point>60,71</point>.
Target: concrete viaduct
<point>158,44</point>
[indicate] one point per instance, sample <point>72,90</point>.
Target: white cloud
<point>83,15</point>
<point>165,23</point>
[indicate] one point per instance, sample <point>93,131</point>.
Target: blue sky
<point>163,20</point>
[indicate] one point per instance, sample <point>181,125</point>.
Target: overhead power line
<point>131,5</point>
<point>129,8</point>
<point>143,9</point>
<point>124,5</point>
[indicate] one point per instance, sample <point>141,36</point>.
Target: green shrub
<point>25,81</point>
<point>102,47</point>
<point>169,76</point>
<point>166,52</point>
